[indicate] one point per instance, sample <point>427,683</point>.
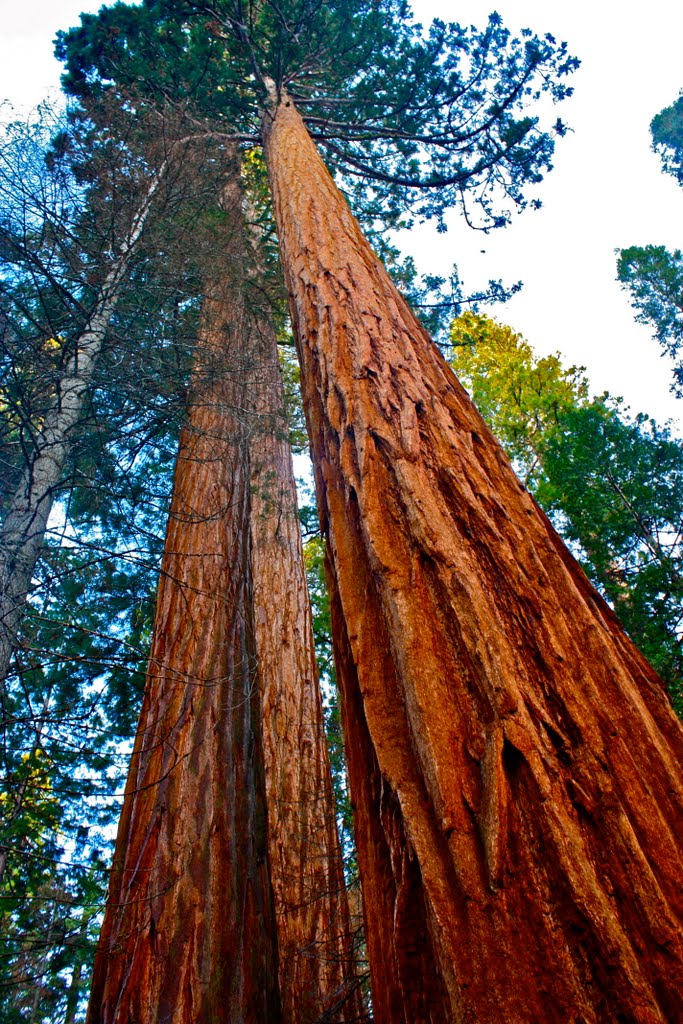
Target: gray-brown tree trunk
<point>23,530</point>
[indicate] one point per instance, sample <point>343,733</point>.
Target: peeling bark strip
<point>189,930</point>
<point>315,943</point>
<point>512,756</point>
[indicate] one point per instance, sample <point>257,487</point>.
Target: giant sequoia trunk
<point>315,943</point>
<point>189,929</point>
<point>512,757</point>
<point>189,932</point>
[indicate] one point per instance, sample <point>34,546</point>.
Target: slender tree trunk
<point>512,757</point>
<point>318,979</point>
<point>23,531</point>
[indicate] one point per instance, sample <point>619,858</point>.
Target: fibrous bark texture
<point>512,757</point>
<point>232,696</point>
<point>318,978</point>
<point>189,930</point>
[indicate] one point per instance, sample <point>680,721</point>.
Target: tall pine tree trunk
<point>512,757</point>
<point>189,929</point>
<point>316,957</point>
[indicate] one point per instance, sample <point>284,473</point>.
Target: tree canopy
<point>414,121</point>
<point>521,396</point>
<point>666,129</point>
<point>652,274</point>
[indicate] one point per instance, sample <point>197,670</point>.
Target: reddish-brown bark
<point>189,931</point>
<point>232,695</point>
<point>315,943</point>
<point>512,757</point>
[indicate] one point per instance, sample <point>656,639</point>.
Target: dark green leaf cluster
<point>652,274</point>
<point>667,138</point>
<point>61,765</point>
<point>654,278</point>
<point>69,708</point>
<point>616,486</point>
<point>47,937</point>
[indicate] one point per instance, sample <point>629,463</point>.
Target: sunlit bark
<point>512,757</point>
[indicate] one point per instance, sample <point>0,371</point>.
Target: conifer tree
<point>82,433</point>
<point>652,274</point>
<point>71,230</point>
<point>251,879</point>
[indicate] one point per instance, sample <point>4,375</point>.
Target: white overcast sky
<point>606,191</point>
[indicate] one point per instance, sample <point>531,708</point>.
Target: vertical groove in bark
<point>315,943</point>
<point>189,931</point>
<point>512,757</point>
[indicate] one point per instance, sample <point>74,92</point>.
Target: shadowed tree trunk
<point>512,757</point>
<point>233,689</point>
<point>189,930</point>
<point>315,945</point>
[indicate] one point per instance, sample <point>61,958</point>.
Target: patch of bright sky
<point>606,192</point>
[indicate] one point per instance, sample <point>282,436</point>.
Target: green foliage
<point>69,709</point>
<point>48,929</point>
<point>521,396</point>
<point>616,485</point>
<point>654,278</point>
<point>291,379</point>
<point>314,555</point>
<point>652,274</point>
<point>29,810</point>
<point>612,484</point>
<point>414,121</point>
<point>666,129</point>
